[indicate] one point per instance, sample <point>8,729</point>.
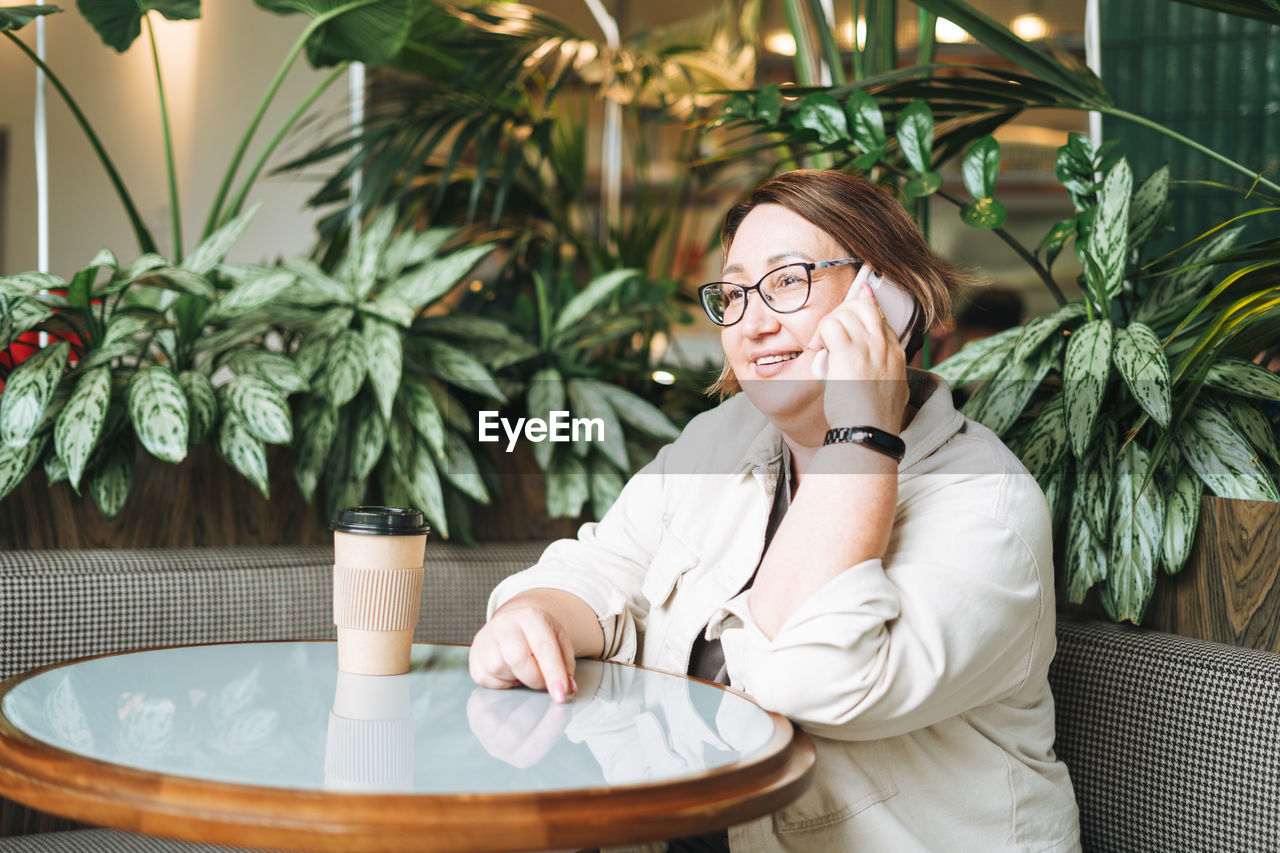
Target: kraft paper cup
<point>370,737</point>
<point>377,587</point>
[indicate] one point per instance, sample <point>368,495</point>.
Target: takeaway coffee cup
<point>377,584</point>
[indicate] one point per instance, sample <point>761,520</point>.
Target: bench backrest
<point>1173,743</point>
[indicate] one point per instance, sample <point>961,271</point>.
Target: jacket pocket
<point>672,559</point>
<point>851,776</point>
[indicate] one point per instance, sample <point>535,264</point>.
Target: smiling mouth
<point>774,359</point>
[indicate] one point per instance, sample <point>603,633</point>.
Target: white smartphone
<point>899,309</point>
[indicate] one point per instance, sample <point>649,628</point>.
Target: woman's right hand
<point>525,644</point>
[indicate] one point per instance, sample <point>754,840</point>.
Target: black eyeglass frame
<point>809,267</point>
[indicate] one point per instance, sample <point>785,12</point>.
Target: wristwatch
<point>869,437</point>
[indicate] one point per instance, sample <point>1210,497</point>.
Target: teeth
<point>774,359</point>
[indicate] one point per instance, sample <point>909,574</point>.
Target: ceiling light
<point>1030,27</point>
<point>780,42</point>
<point>946,31</point>
<point>664,377</point>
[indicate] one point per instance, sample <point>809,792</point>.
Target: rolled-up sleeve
<point>946,623</point>
<point>605,566</point>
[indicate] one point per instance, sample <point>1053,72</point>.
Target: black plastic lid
<point>380,521</point>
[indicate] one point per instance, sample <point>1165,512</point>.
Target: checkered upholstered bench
<point>60,605</point>
<point>1173,743</point>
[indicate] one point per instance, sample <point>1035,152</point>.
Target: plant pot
<point>1228,590</point>
<point>201,501</point>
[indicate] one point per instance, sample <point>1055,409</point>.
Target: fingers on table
<point>526,648</point>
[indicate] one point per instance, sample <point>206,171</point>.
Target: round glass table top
<point>282,715</point>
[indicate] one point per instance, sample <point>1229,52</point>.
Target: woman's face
<point>765,349</point>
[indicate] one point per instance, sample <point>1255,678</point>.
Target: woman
<point>892,597</point>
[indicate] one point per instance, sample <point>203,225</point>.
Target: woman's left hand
<point>866,383</point>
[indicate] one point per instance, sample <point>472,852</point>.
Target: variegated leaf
<point>1237,376</point>
<point>1145,368</point>
<point>1096,480</point>
<point>313,352</point>
<point>112,477</point>
<point>1046,438</point>
<point>27,392</point>
<point>1221,457</point>
<point>126,324</point>
<point>635,411</point>
<point>1086,369</point>
<point>345,368</point>
<point>316,425</point>
<point>410,248</point>
<point>22,316</point>
<point>546,395</point>
<point>999,402</point>
<point>979,360</point>
<point>460,468</point>
<point>394,490</point>
<point>455,414</point>
<point>261,407</point>
<point>55,470</point>
<point>244,451</point>
<point>391,308</point>
<point>586,401</point>
<point>251,294</point>
<point>457,368</point>
<point>202,405</point>
<point>159,412</point>
<point>1055,489</point>
<point>1182,515</point>
<point>1109,242</point>
<point>179,279</point>
<point>16,463</point>
<point>27,283</point>
<point>1086,556</point>
<point>422,413</point>
<point>1250,422</point>
<point>79,425</point>
<point>423,479</point>
<point>1172,295</point>
<point>434,279</point>
<point>383,349</point>
<point>360,267</point>
<point>1147,205</point>
<point>333,322</point>
<point>606,484</point>
<point>280,370</point>
<point>1137,536</point>
<point>597,291</point>
<point>368,437</point>
<point>203,258</point>
<point>313,287</point>
<point>568,486</point>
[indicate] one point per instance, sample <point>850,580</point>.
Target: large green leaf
<point>28,391</point>
<point>244,451</point>
<point>17,462</point>
<point>979,360</point>
<point>345,367</point>
<point>251,294</point>
<point>457,368</point>
<point>14,18</point>
<point>261,407</point>
<point>1096,478</point>
<point>159,412</point>
<point>410,248</point>
<point>460,468</point>
<point>867,122</point>
<point>280,370</point>
<point>980,166</point>
<point>314,287</point>
<point>360,268</point>
<point>368,437</point>
<point>175,278</point>
<point>546,395</point>
<point>588,402</point>
<point>823,114</point>
<point>999,402</point>
<point>79,425</point>
<point>1046,439</point>
<point>1086,369</point>
<point>1086,554</point>
<point>119,22</point>
<point>1170,296</point>
<point>315,427</point>
<point>915,135</point>
<point>385,354</point>
<point>1248,419</point>
<point>1147,206</point>
<point>1222,457</point>
<point>422,413</point>
<point>426,284</point>
<point>22,315</point>
<point>591,297</point>
<point>112,476</point>
<point>372,32</point>
<point>127,324</point>
<point>202,405</point>
<point>1145,368</point>
<point>1137,536</point>
<point>203,258</point>
<point>1182,514</point>
<point>422,478</point>
<point>1108,245</point>
<point>1237,376</point>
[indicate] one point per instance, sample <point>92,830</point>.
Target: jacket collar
<point>935,422</point>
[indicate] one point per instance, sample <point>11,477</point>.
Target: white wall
<point>215,70</point>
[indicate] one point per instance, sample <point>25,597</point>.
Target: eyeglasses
<point>785,290</point>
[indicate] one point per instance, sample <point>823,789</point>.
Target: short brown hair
<point>870,225</point>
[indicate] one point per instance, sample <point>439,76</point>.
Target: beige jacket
<point>922,676</point>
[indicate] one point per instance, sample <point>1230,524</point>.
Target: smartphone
<point>899,309</point>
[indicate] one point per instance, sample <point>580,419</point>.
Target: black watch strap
<point>869,437</point>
